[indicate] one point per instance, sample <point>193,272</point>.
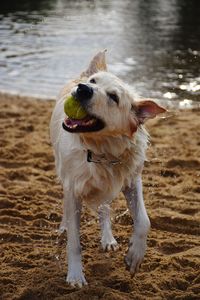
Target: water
<point>153,45</point>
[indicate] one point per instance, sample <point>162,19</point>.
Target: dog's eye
<point>114,97</point>
<point>92,80</point>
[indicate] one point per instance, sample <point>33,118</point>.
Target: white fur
<point>99,184</point>
<point>108,241</point>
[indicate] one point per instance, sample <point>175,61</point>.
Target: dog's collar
<point>100,159</point>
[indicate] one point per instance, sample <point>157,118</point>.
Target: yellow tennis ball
<point>73,109</point>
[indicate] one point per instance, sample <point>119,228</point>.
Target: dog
<point>99,156</point>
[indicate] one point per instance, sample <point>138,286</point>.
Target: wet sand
<point>33,264</point>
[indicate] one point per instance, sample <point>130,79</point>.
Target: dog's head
<point>111,107</point>
<point>110,103</point>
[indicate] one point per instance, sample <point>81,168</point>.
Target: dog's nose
<point>84,92</point>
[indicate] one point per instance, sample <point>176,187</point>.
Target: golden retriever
<point>99,156</point>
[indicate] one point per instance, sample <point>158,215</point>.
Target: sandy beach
<point>33,257</point>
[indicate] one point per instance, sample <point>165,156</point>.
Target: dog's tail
<point>98,63</point>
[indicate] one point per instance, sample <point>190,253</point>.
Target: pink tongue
<point>73,122</point>
<point>78,122</point>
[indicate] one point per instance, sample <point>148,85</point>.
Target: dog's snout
<point>84,92</point>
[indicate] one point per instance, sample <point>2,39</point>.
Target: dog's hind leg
<point>137,246</point>
<point>108,241</point>
<point>72,214</point>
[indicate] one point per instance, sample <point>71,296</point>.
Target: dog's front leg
<point>108,241</point>
<point>137,246</point>
<point>72,212</point>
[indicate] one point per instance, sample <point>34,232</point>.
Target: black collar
<point>100,159</point>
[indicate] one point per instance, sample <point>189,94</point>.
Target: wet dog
<point>99,156</point>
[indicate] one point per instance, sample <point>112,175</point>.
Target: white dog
<point>99,156</point>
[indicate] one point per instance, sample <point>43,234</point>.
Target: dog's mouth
<point>87,124</point>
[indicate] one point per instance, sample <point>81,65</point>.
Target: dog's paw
<point>135,254</point>
<point>76,279</point>
<point>109,244</point>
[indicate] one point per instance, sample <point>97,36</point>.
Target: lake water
<point>153,45</point>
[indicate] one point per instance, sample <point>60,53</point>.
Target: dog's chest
<point>96,183</point>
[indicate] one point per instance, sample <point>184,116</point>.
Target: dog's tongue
<point>79,121</point>
<point>87,121</point>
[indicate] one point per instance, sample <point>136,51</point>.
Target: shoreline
<point>170,104</point>
<point>5,95</point>
<point>33,257</point>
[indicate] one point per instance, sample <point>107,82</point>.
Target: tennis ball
<point>73,109</point>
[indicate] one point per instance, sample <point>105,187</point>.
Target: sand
<point>33,259</point>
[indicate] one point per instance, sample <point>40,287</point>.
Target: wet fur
<point>124,138</point>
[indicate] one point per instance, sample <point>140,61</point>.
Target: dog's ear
<point>142,111</point>
<point>133,125</point>
<point>147,109</point>
<point>98,63</point>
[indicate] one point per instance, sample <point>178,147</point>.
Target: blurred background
<point>153,45</point>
